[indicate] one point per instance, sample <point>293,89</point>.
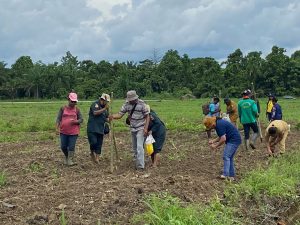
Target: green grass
<point>167,210</point>
<point>62,218</point>
<point>36,121</point>
<point>3,179</point>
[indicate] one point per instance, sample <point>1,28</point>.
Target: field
<point>36,188</point>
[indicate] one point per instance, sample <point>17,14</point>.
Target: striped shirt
<point>138,118</point>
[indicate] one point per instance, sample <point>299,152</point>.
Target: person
<point>231,110</point>
<point>216,102</point>
<point>247,110</point>
<point>138,119</point>
<point>229,135</point>
<point>276,110</point>
<point>98,116</point>
<point>158,130</point>
<point>269,107</point>
<point>276,132</point>
<point>68,123</point>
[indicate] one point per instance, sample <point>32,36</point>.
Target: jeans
<point>228,154</point>
<point>138,140</point>
<point>67,143</point>
<point>95,141</point>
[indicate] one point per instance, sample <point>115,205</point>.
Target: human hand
<point>145,132</point>
<point>110,118</point>
<point>57,131</point>
<point>213,146</point>
<point>210,142</point>
<point>106,106</point>
<point>73,122</point>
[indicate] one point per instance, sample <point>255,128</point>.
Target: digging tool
<point>113,146</point>
<point>258,107</point>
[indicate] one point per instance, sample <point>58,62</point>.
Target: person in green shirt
<point>248,113</point>
<point>98,115</point>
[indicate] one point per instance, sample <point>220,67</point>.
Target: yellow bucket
<point>149,149</point>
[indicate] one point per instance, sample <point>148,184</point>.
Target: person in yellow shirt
<point>276,132</point>
<point>231,110</point>
<point>269,107</point>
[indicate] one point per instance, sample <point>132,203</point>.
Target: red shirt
<point>66,126</point>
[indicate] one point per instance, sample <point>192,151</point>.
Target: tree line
<point>168,76</point>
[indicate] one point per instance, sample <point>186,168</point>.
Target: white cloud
<point>131,29</point>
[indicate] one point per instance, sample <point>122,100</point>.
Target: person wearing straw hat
<point>98,116</point>
<point>229,135</point>
<point>68,123</point>
<point>138,121</point>
<point>231,110</point>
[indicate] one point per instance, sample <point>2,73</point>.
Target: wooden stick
<point>111,137</point>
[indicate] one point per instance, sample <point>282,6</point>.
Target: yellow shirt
<point>269,106</point>
<point>282,128</point>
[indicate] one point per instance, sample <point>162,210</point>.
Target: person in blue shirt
<point>276,110</point>
<point>229,135</point>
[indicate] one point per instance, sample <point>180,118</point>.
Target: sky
<point>132,30</point>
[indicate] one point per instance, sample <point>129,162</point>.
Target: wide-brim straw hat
<point>209,122</point>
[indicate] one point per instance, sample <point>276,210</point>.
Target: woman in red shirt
<point>68,123</point>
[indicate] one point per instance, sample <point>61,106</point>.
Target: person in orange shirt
<point>231,110</point>
<point>276,132</point>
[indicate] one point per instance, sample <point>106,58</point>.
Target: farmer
<point>229,135</point>
<point>138,119</point>
<point>248,112</point>
<point>276,110</point>
<point>158,130</point>
<point>214,110</point>
<point>98,115</point>
<point>68,123</point>
<point>276,132</point>
<point>231,110</point>
<point>269,107</point>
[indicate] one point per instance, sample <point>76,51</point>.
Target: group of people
<point>142,120</point>
<point>247,111</point>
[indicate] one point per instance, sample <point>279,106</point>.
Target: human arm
<point>100,111</point>
<point>79,118</point>
<point>58,120</point>
<point>146,125</point>
<point>220,142</point>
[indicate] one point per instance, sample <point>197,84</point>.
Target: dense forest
<point>167,76</point>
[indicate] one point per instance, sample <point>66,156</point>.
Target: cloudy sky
<point>131,29</point>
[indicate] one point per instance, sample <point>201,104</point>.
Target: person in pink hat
<point>68,123</point>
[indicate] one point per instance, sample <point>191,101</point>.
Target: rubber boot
<point>65,160</point>
<point>253,140</point>
<point>247,144</point>
<point>70,158</point>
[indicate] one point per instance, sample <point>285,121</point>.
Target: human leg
<point>254,127</point>
<point>134,144</point>
<point>71,149</point>
<point>282,143</point>
<point>246,135</point>
<point>140,161</point>
<point>64,146</point>
<point>228,155</point>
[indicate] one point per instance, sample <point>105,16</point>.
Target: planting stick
<point>258,122</point>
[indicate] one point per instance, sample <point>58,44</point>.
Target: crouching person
<point>68,123</point>
<point>229,135</point>
<point>158,130</point>
<point>276,132</point>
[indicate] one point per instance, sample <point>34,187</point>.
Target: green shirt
<point>247,110</point>
<point>95,123</point>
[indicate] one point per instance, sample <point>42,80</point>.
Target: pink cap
<point>73,97</point>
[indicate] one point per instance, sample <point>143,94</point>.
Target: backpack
<point>205,109</point>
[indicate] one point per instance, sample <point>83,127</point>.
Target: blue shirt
<point>224,127</point>
<point>211,109</point>
<point>276,112</point>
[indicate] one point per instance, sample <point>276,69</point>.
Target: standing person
<point>216,102</point>
<point>269,107</point>
<point>158,130</point>
<point>138,119</point>
<point>231,110</point>
<point>98,115</point>
<point>276,110</point>
<point>229,135</point>
<point>276,132</point>
<point>68,123</point>
<point>248,112</point>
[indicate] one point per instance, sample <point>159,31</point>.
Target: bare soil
<point>39,185</point>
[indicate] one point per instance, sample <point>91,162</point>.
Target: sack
<point>205,109</point>
<point>127,121</point>
<point>106,128</point>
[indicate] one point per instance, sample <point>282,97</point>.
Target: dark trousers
<point>67,143</point>
<point>247,127</point>
<point>96,141</point>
